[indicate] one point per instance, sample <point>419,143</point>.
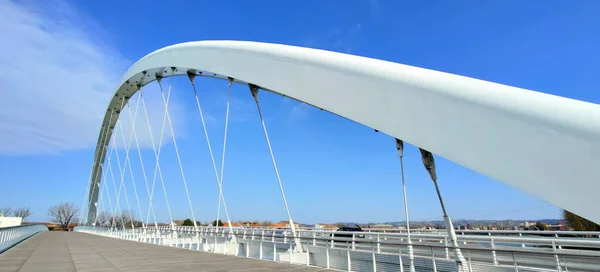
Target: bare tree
<point>63,214</point>
<point>125,219</point>
<point>6,211</point>
<point>266,223</point>
<point>103,218</point>
<point>23,212</point>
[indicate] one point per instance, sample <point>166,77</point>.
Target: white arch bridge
<point>545,145</point>
<point>542,144</point>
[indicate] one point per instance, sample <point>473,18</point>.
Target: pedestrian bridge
<point>31,248</point>
<point>76,251</point>
<point>544,145</point>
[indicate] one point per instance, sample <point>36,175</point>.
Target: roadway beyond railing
<point>11,236</point>
<point>376,251</point>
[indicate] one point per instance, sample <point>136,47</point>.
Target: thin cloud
<point>56,81</point>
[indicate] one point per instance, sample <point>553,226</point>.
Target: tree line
<point>23,212</point>
<point>65,214</point>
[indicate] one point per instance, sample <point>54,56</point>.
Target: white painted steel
<point>503,256</point>
<point>542,144</point>
<point>11,236</point>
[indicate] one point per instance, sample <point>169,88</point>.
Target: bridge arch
<point>545,145</point>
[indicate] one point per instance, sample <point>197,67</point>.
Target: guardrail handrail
<point>375,243</point>
<point>10,236</point>
<point>440,236</point>
<point>543,241</point>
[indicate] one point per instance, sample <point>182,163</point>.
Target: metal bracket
<point>400,147</point>
<point>429,163</point>
<point>254,91</point>
<point>191,75</point>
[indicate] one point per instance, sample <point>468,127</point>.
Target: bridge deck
<point>74,251</point>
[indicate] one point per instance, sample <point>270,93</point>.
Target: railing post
<point>332,236</point>
<point>446,248</point>
<point>260,250</point>
<point>314,237</point>
<point>378,243</point>
<point>247,249</point>
<point>400,259</point>
<point>307,255</point>
<point>494,257</point>
<point>291,250</point>
<point>199,236</point>
<point>521,235</point>
<point>470,266</point>
<point>353,241</point>
<point>327,255</point>
<point>558,268</point>
<point>559,246</point>
<point>274,251</point>
<point>348,258</point>
<point>515,260</point>
<point>374,261</point>
<point>433,259</point>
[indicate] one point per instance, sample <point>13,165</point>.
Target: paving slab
<point>74,251</point>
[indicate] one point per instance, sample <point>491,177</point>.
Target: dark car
<point>348,235</point>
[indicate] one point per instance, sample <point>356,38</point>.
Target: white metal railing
<point>529,239</point>
<point>519,233</point>
<point>327,248</point>
<point>554,233</point>
<point>11,236</point>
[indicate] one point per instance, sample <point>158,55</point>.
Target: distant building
<point>248,223</point>
<point>242,224</point>
<point>325,226</point>
<point>284,224</point>
<point>559,226</point>
<point>526,225</point>
<point>381,226</point>
<point>9,221</point>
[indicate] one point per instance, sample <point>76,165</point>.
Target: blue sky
<point>62,62</point>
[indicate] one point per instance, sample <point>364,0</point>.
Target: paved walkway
<point>74,251</point>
